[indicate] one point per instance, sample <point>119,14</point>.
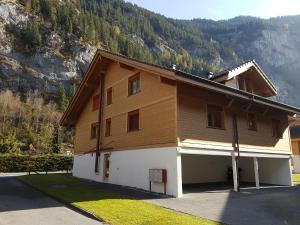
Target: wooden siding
<point>193,131</point>
<point>295,146</point>
<point>156,102</point>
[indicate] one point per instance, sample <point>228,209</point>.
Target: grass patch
<point>111,207</point>
<point>296,179</point>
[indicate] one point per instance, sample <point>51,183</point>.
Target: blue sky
<point>220,9</point>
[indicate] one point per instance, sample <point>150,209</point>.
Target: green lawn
<point>112,208</point>
<point>296,179</point>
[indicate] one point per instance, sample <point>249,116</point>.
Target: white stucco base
<point>131,168</point>
<point>296,163</point>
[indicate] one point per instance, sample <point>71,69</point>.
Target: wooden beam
<point>230,103</point>
<point>266,111</point>
<point>89,85</point>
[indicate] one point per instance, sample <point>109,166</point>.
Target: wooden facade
<point>193,130</point>
<point>172,111</point>
<point>156,102</point>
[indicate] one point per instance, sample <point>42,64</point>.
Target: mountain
<point>46,42</point>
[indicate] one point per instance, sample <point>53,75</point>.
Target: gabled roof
<point>103,58</point>
<point>241,68</point>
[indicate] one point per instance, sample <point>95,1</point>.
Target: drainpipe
<point>236,148</point>
<point>99,126</point>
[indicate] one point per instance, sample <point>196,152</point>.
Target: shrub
<point>36,163</point>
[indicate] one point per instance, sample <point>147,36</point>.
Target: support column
<point>234,172</point>
<point>179,175</point>
<point>255,162</point>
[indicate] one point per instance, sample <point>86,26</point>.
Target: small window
<point>106,166</point>
<point>94,130</point>
<point>276,130</point>
<point>96,102</point>
<point>215,116</point>
<point>108,127</point>
<point>241,81</point>
<point>134,84</point>
<point>133,122</point>
<point>252,122</point>
<point>109,96</point>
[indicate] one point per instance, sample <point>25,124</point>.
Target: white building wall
<point>275,171</point>
<point>131,168</point>
<point>296,163</point>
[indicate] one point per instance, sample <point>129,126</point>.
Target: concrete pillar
<point>255,162</point>
<point>234,171</point>
<point>291,172</point>
<point>179,175</point>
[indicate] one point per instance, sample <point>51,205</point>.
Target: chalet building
<point>159,129</point>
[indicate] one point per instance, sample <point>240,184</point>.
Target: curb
<point>68,205</point>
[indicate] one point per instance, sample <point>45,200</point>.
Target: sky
<point>220,9</point>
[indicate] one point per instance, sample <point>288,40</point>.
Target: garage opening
<point>212,173</point>
<point>205,172</point>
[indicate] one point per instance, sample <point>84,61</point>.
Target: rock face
<point>22,71</point>
<point>273,43</point>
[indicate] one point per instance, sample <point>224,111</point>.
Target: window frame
<point>94,133</point>
<point>131,79</point>
<point>96,102</point>
<point>109,93</point>
<point>222,119</point>
<point>130,114</point>
<point>276,129</point>
<point>108,128</point>
<point>254,128</point>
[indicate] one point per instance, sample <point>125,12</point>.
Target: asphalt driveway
<point>20,204</point>
<point>269,206</point>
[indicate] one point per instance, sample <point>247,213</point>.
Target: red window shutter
<point>133,120</point>
<point>96,102</point>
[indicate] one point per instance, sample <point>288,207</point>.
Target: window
<point>106,166</point>
<point>109,96</point>
<point>215,116</point>
<point>108,127</point>
<point>133,122</point>
<point>241,81</point>
<point>276,130</point>
<point>96,102</point>
<point>252,122</point>
<point>134,84</point>
<point>94,130</point>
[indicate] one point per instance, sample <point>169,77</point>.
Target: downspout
<point>99,126</point>
<point>236,147</point>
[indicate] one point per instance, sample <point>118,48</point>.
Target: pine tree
<point>56,139</point>
<point>61,97</point>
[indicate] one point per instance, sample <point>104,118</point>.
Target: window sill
<point>133,131</point>
<point>217,128</point>
<point>134,93</point>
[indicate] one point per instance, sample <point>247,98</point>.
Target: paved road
<point>271,206</point>
<point>20,204</point>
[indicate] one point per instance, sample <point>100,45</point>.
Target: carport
<point>201,171</point>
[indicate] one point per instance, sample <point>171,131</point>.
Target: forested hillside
<point>46,45</point>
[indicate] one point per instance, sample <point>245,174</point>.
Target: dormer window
<point>241,81</point>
